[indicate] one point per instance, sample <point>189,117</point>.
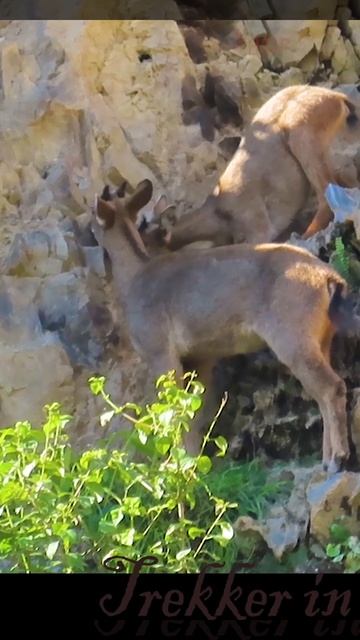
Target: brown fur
<point>201,306</point>
<point>284,152</point>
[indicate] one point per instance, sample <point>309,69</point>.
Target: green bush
<point>344,258</point>
<point>344,549</point>
<point>65,511</point>
<point>340,259</point>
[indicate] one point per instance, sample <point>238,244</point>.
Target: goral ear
<point>104,213</point>
<point>121,190</point>
<point>140,197</point>
<point>106,194</point>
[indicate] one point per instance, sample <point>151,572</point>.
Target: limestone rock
<point>19,319</point>
<point>267,81</point>
<point>252,92</point>
<point>340,56</point>
<point>64,307</point>
<point>284,526</point>
<point>310,63</point>
<point>354,27</point>
<point>291,76</point>
<point>35,368</point>
<point>292,40</point>
<point>315,243</point>
<point>39,252</point>
<point>25,390</point>
<point>68,103</point>
<point>352,61</point>
<point>348,75</point>
<point>332,499</point>
<point>332,37</point>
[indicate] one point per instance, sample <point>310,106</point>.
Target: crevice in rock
<point>144,56</point>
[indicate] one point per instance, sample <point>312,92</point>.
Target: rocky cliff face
<point>86,102</point>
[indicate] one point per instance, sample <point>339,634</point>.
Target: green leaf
<point>93,455</point>
<point>132,506</point>
<point>165,417</point>
<point>171,504</point>
<point>127,537</point>
<point>227,531</point>
<point>23,429</point>
<point>50,426</point>
<point>5,547</point>
<point>178,453</point>
<point>96,385</point>
<point>68,535</point>
<point>221,444</point>
<point>333,550</point>
<point>187,463</point>
<point>163,444</point>
<point>339,533</point>
<point>107,527</point>
<point>86,502</point>
<point>172,529</point>
<point>7,434</point>
<point>76,562</point>
<point>106,417</point>
<point>191,499</point>
<point>195,532</point>
<point>204,464</point>
<point>219,505</point>
<point>29,468</point>
<point>145,424</point>
<point>116,515</point>
<point>339,558</point>
<point>183,553</point>
<point>160,381</point>
<point>217,537</point>
<point>142,436</point>
<point>11,491</point>
<point>97,489</point>
<point>196,403</point>
<point>52,549</point>
<point>5,467</point>
<point>68,458</point>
